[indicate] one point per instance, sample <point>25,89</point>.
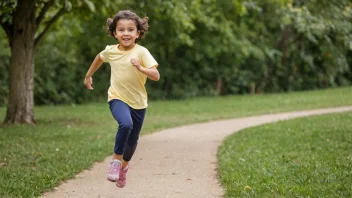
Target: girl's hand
<point>88,81</point>
<point>135,62</point>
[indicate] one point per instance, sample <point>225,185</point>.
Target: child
<point>131,64</point>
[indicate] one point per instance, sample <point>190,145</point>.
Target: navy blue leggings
<point>130,124</point>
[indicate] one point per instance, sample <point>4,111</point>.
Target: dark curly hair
<point>141,23</point>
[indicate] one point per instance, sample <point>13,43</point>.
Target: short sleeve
<point>148,60</point>
<point>104,55</point>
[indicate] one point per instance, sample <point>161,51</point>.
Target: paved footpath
<point>177,162</point>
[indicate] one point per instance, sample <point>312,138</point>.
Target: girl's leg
<point>121,113</point>
<point>132,141</point>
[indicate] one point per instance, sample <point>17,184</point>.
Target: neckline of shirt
<point>124,52</point>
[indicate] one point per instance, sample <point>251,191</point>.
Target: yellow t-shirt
<point>126,82</point>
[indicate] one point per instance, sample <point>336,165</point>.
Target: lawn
<point>68,139</point>
<point>305,157</point>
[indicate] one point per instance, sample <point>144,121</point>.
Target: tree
<point>25,23</point>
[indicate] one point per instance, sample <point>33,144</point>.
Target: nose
<point>125,32</point>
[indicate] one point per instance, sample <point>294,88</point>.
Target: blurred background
<point>239,49</point>
<point>203,47</point>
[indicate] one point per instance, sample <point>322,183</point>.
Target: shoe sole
<point>112,180</point>
<point>120,186</point>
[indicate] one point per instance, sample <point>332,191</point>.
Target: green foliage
<point>60,66</point>
<point>306,157</point>
<point>4,68</point>
<point>203,47</point>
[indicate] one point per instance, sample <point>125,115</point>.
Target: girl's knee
<point>126,126</point>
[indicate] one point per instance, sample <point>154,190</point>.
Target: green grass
<point>68,139</point>
<point>306,157</point>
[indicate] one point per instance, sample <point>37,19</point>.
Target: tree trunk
<point>219,86</point>
<point>21,101</point>
<point>251,88</point>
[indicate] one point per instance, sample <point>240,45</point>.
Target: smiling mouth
<point>126,39</point>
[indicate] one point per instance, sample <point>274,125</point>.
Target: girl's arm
<point>88,81</point>
<point>151,73</point>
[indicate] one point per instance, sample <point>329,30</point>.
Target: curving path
<point>178,162</point>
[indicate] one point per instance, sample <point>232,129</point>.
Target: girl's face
<point>126,33</point>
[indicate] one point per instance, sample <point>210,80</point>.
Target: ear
<point>138,33</point>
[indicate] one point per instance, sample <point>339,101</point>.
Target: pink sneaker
<point>121,182</point>
<point>114,171</point>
